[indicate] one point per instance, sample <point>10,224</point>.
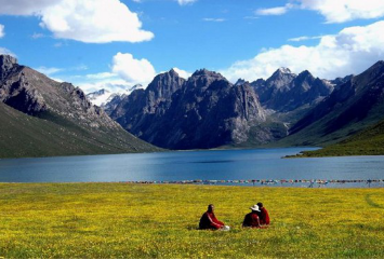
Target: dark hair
<point>210,206</point>
<point>260,205</point>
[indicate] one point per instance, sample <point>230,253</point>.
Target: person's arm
<point>213,223</point>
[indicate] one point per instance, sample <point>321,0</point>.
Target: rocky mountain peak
<point>305,75</point>
<point>240,82</point>
<point>173,73</point>
<point>284,70</point>
<point>204,78</point>
<point>281,73</point>
<point>207,74</point>
<point>377,68</point>
<point>7,62</point>
<point>164,85</point>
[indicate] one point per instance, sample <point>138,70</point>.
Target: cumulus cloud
<point>345,10</point>
<point>334,11</point>
<point>133,70</point>
<point>185,2</point>
<point>91,21</point>
<point>113,85</point>
<point>352,50</point>
<point>274,11</point>
<point>182,73</point>
<point>2,31</point>
<point>126,71</point>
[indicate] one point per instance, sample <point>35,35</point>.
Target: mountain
<point>62,110</point>
<point>285,91</point>
<point>206,111</point>
<point>369,141</point>
<point>100,97</point>
<point>353,106</point>
<point>103,97</point>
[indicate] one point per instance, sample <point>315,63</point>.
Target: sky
<point>115,44</point>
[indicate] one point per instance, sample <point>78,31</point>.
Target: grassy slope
<point>26,136</point>
<point>99,220</point>
<point>367,142</point>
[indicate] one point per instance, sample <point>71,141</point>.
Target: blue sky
<point>118,43</point>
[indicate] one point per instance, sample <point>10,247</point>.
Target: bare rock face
<point>35,94</point>
<point>7,63</point>
<point>354,104</point>
<point>206,111</point>
<point>285,91</point>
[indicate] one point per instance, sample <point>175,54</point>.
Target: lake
<point>191,165</point>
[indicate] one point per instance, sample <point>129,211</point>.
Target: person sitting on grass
<point>209,220</point>
<point>263,214</point>
<point>252,219</point>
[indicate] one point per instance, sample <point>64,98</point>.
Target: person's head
<point>255,208</point>
<point>211,207</point>
<point>260,205</point>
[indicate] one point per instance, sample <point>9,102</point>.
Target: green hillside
<point>26,136</point>
<point>367,142</point>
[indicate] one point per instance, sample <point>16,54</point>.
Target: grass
<point>116,220</point>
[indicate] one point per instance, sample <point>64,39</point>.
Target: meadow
<point>117,220</point>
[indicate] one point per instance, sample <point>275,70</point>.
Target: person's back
<point>263,215</point>
<point>252,219</point>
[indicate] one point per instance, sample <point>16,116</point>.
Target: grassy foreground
<point>109,220</point>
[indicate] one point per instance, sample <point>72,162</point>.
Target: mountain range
<point>207,111</point>
<point>42,117</point>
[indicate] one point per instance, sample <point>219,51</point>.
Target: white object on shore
<point>225,228</point>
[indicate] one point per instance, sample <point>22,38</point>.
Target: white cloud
<point>304,38</point>
<point>2,31</point>
<point>24,7</point>
<point>182,73</point>
<point>133,70</point>
<point>6,51</point>
<point>48,71</point>
<point>345,10</point>
<point>91,21</point>
<point>217,20</point>
<point>185,2</point>
<point>274,11</point>
<point>37,35</point>
<point>334,11</point>
<point>101,75</point>
<point>112,85</point>
<point>352,50</point>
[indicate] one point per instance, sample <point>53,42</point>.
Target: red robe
<point>209,221</point>
<point>264,216</point>
<point>251,220</point>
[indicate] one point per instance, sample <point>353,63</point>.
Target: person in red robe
<point>263,214</point>
<point>209,221</point>
<point>252,219</point>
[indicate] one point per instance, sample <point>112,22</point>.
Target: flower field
<point>116,220</point>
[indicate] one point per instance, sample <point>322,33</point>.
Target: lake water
<point>191,165</point>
